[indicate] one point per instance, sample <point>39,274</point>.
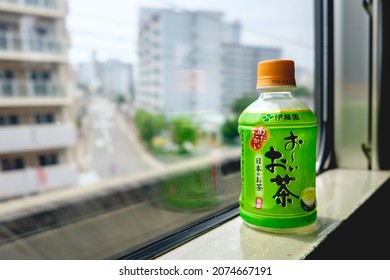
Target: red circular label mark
<point>259,136</point>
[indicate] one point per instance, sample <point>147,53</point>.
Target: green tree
<point>149,125</point>
<point>302,92</point>
<point>183,130</point>
<point>229,130</point>
<point>241,103</point>
<point>119,98</point>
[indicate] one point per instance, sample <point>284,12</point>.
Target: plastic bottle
<point>278,154</point>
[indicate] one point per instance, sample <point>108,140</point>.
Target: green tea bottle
<point>278,155</point>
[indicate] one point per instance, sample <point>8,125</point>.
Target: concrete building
<point>37,131</point>
<point>240,70</point>
<point>180,66</point>
<point>193,61</point>
<point>117,79</point>
<point>109,78</point>
<point>88,74</point>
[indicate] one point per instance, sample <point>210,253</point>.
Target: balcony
<point>31,93</point>
<point>22,48</point>
<point>32,180</point>
<point>31,89</point>
<point>36,137</point>
<point>47,8</point>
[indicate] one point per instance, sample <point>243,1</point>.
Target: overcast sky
<point>110,26</point>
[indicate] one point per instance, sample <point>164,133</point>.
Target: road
<point>116,150</point>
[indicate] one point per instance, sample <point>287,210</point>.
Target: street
<point>115,149</point>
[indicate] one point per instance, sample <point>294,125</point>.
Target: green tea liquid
<point>278,169</point>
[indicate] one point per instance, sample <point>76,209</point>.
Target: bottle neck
<point>276,92</point>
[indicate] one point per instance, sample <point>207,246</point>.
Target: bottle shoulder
<point>276,105</point>
<point>277,111</point>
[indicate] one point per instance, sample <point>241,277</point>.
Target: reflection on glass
<point>193,190</point>
<point>118,125</point>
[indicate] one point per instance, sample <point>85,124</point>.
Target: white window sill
<point>340,192</point>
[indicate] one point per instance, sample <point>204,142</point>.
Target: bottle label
<point>278,170</point>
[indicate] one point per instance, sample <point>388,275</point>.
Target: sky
<point>110,27</point>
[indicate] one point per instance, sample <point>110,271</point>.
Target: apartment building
<point>117,79</point>
<point>240,70</point>
<point>180,65</point>
<point>37,131</point>
<point>110,78</point>
<point>193,61</point>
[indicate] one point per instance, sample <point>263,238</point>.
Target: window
<point>12,163</point>
<point>40,41</point>
<point>41,82</point>
<point>49,159</point>
<point>32,2</point>
<point>3,36</point>
<point>9,120</point>
<point>6,82</point>
<point>161,147</point>
<point>44,118</point>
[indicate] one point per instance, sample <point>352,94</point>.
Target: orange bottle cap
<point>277,72</point>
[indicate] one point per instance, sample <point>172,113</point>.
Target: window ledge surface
<point>340,192</point>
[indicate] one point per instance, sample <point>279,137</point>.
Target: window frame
<point>324,84</point>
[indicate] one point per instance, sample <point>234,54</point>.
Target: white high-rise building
<point>180,65</point>
<point>117,78</point>
<point>110,78</point>
<point>37,128</point>
<point>192,61</point>
<point>240,70</point>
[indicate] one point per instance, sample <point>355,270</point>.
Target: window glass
<point>147,144</point>
<point>44,118</point>
<point>6,81</point>
<point>48,159</point>
<point>12,163</point>
<point>9,120</point>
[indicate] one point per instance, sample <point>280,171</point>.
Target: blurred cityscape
<point>64,125</point>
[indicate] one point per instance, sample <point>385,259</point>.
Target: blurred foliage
<point>241,103</point>
<point>229,128</point>
<point>149,125</point>
<point>119,98</point>
<point>183,130</point>
<point>229,131</point>
<point>302,92</point>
